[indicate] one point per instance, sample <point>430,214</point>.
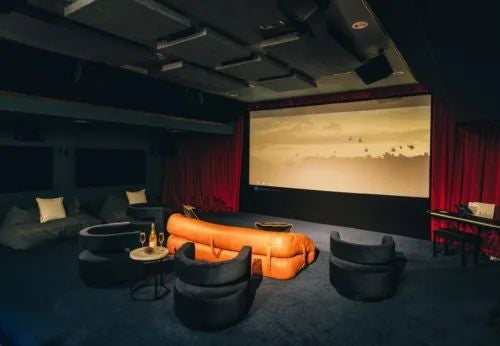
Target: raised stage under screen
<point>377,147</point>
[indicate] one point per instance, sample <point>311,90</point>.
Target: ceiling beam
<point>19,103</point>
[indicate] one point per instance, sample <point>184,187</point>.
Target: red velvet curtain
<point>206,172</point>
<point>465,167</point>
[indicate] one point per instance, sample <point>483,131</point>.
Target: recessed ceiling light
<point>360,25</point>
<point>232,94</point>
<point>398,73</point>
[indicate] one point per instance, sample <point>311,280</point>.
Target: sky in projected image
<point>375,147</point>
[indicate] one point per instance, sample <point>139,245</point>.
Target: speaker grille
<point>374,69</point>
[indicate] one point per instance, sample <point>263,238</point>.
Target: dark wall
<point>64,138</point>
<point>388,214</point>
<point>31,71</point>
<point>394,215</point>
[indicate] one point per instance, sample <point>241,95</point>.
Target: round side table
<point>159,290</point>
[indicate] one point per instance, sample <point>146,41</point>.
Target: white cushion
<point>136,197</point>
<point>51,209</point>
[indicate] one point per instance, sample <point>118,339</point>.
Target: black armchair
<point>157,214</point>
<point>105,249</point>
<point>211,294</point>
<point>365,272</point>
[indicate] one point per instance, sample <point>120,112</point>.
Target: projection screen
<point>377,147</point>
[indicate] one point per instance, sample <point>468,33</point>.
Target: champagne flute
<point>143,238</point>
<point>161,238</point>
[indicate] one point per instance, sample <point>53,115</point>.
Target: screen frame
<point>306,105</point>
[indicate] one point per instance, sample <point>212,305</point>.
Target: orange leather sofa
<point>274,254</point>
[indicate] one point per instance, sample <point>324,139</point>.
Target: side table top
<point>140,255</point>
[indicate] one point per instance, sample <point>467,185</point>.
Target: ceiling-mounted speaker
<point>374,69</point>
<point>7,6</point>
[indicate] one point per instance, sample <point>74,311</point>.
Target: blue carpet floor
<point>437,303</point>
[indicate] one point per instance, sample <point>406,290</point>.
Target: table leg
<point>159,288</point>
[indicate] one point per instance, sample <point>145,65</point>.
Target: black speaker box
<point>374,69</point>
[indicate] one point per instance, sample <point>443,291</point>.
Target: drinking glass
<point>143,238</point>
<point>161,238</point>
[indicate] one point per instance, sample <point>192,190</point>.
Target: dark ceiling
<point>249,50</point>
<point>452,48</point>
<point>256,50</point>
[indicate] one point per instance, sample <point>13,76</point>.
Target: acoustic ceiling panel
<point>241,18</point>
<point>70,40</point>
<point>205,47</point>
<point>141,21</point>
<point>254,69</point>
<point>287,83</point>
<point>315,56</point>
<point>197,77</point>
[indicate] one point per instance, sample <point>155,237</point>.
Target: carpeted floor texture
<point>438,302</point>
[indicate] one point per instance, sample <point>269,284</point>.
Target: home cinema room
<point>271,172</point>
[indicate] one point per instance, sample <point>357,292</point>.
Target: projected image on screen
<point>371,147</point>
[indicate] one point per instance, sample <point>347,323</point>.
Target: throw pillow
<point>51,208</point>
<point>137,197</point>
<point>274,226</point>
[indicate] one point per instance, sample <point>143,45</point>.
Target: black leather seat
<point>211,295</point>
<point>105,249</point>
<point>364,272</point>
<point>150,212</point>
